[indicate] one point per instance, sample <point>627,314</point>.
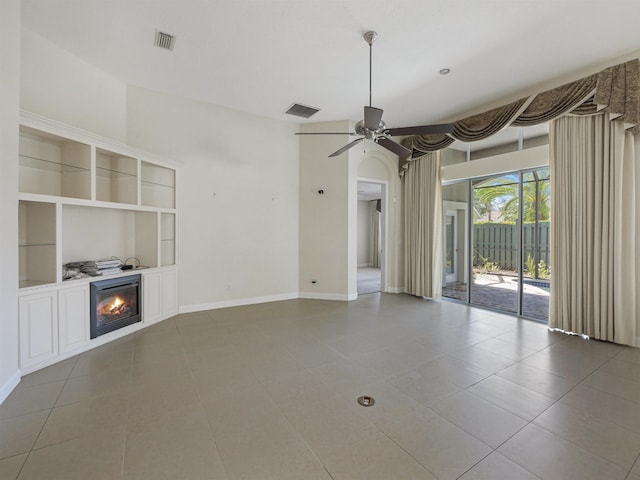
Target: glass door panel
<point>455,205</point>
<point>536,273</point>
<point>495,242</point>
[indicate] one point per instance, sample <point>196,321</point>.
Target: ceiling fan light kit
<point>373,128</point>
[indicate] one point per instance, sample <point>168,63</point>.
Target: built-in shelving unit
<point>84,197</point>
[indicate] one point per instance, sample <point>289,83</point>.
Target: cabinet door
<point>73,317</point>
<point>152,297</point>
<point>38,328</point>
<point>169,293</point>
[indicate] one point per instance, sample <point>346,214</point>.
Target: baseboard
<point>328,296</point>
<point>237,302</point>
<point>395,290</point>
<point>9,385</point>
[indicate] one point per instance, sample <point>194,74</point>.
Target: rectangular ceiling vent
<point>300,110</point>
<point>164,40</point>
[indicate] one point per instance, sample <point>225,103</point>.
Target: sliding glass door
<point>505,240</point>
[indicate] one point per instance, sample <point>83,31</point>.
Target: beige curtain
<point>374,234</point>
<point>595,209</point>
<point>422,215</point>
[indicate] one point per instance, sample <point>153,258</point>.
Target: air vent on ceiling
<point>164,40</point>
<point>300,110</point>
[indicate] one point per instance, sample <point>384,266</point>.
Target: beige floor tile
<point>81,418</point>
<point>540,381</point>
<point>10,467</point>
<point>86,387</point>
<point>149,401</point>
<point>513,351</point>
<point>96,363</point>
<point>632,476</point>
<point>397,359</point>
<point>483,359</point>
<point>616,385</point>
<point>549,456</point>
<point>331,424</point>
<point>313,354</point>
<point>519,400</point>
<point>630,354</point>
<point>345,375</point>
<point>390,404</point>
<point>604,406</point>
<point>55,373</point>
<point>622,368</point>
<point>25,400</point>
<point>97,456</point>
<point>375,457</point>
<point>292,461</point>
<point>180,446</point>
<point>454,370</point>
<point>273,365</point>
<point>300,390</point>
<point>636,467</point>
<point>18,434</point>
<point>498,467</point>
<point>564,363</point>
<point>488,423</point>
<point>441,447</point>
<point>425,389</point>
<point>239,405</point>
<point>605,439</point>
<point>451,339</point>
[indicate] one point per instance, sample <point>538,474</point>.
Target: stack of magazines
<point>105,266</point>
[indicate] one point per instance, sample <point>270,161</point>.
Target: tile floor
<point>269,392</point>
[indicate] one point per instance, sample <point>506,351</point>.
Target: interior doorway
<point>371,236</point>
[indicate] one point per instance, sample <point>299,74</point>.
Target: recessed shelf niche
<point>158,186</point>
<point>116,177</point>
<point>52,165</point>
<point>167,239</point>
<point>36,243</point>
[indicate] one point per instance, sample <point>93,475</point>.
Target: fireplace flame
<point>117,306</point>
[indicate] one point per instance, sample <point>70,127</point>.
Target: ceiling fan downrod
<point>370,37</point>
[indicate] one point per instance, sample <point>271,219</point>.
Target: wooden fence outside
<point>498,243</point>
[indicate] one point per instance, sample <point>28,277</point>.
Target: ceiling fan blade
<point>393,146</point>
<point>420,130</point>
<point>325,133</point>
<point>372,117</point>
<point>347,147</point>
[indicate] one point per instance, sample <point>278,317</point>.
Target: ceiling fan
<point>373,128</point>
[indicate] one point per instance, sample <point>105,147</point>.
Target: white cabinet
<point>38,328</point>
<point>160,295</point>
<point>152,297</point>
<point>73,318</point>
<point>169,293</point>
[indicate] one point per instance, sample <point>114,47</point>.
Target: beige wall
<point>60,86</point>
<point>238,197</point>
<point>325,218</point>
<point>9,114</point>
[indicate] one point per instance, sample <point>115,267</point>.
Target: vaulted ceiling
<point>260,56</point>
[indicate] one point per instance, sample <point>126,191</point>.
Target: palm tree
<point>502,194</point>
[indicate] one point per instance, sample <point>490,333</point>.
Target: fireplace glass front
<point>115,303</point>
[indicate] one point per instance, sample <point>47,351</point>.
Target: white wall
<point>60,86</point>
<point>363,233</point>
<point>238,197</point>
<point>9,115</point>
<point>325,226</point>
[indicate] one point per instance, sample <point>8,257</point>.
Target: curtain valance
<point>615,90</point>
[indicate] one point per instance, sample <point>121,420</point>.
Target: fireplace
<point>115,303</point>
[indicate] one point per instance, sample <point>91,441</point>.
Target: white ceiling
<point>260,56</point>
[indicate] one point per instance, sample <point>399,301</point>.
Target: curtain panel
<point>374,234</point>
<point>422,215</point>
<point>595,218</point>
<point>615,90</point>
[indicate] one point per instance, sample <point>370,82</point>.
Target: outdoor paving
<point>499,292</point>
